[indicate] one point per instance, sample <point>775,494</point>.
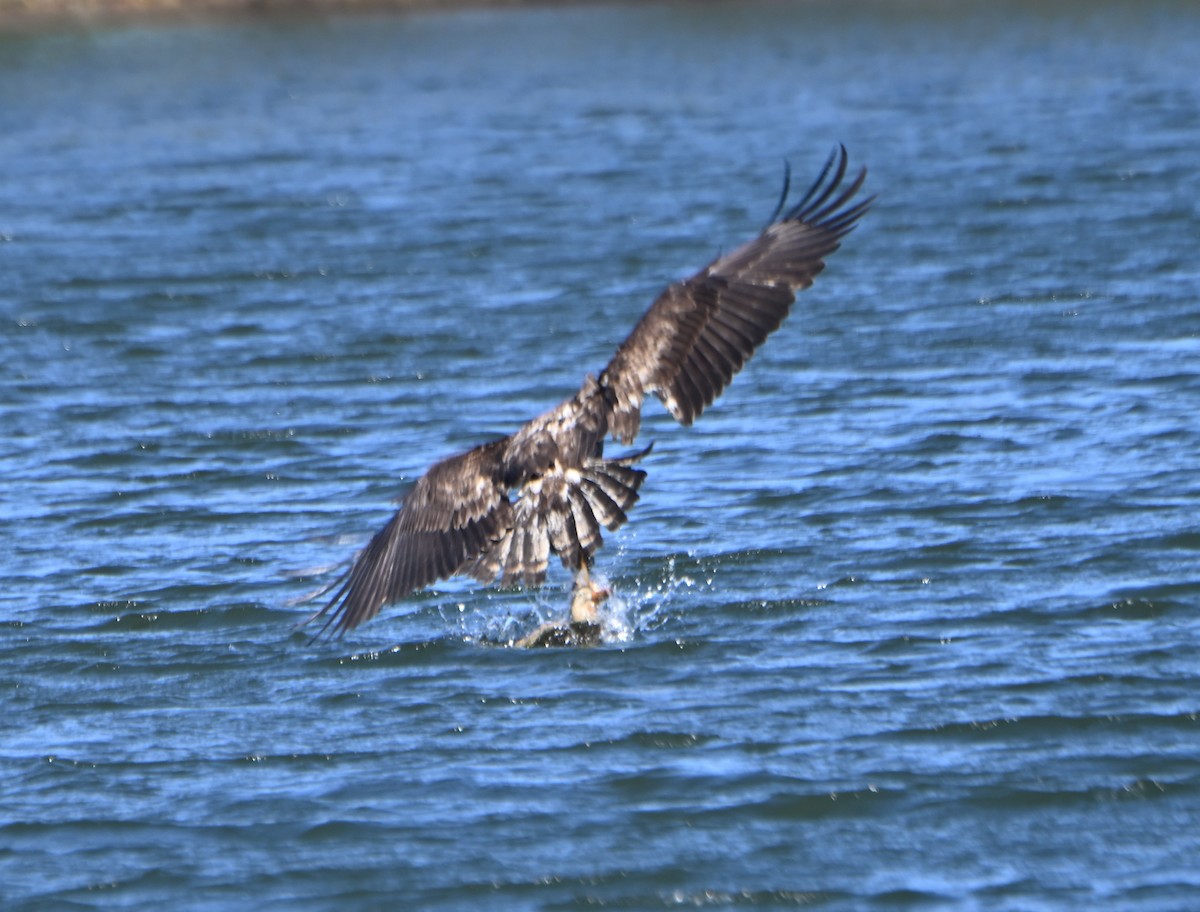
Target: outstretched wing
<point>701,331</point>
<point>454,513</point>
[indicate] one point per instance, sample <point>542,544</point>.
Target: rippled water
<point>909,618</point>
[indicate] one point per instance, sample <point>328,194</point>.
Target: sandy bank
<point>16,15</point>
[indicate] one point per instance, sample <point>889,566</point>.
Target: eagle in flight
<point>497,512</point>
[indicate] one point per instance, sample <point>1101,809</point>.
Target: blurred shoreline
<point>39,15</point>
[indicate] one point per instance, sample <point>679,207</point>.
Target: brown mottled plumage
<point>460,517</point>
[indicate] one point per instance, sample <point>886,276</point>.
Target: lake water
<point>909,619</point>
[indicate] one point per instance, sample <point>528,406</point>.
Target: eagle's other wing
<point>701,331</point>
<point>453,514</point>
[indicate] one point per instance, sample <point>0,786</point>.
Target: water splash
<point>651,605</point>
<point>496,617</point>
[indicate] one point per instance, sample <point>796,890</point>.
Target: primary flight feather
<point>498,511</point>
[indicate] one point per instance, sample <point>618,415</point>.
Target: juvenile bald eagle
<point>498,511</point>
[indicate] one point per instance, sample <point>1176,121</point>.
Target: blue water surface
<point>907,620</point>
